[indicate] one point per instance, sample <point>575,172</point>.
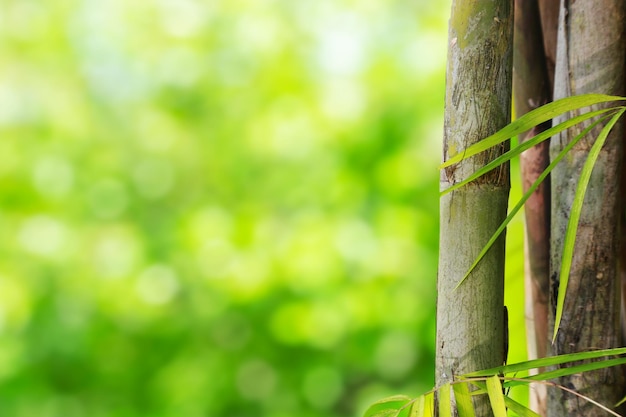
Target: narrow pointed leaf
<point>523,146</point>
<point>519,409</point>
<point>417,408</point>
<point>444,401</point>
<point>529,120</point>
<point>429,405</point>
<point>463,400</point>
<point>388,407</point>
<point>511,405</point>
<point>496,396</point>
<point>526,196</point>
<point>572,224</point>
<point>423,406</point>
<point>577,369</point>
<point>545,362</point>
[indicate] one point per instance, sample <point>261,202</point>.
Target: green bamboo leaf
<point>545,362</point>
<point>529,120</point>
<point>443,394</point>
<point>417,408</point>
<point>523,146</point>
<point>572,224</point>
<point>513,212</point>
<point>576,369</point>
<point>463,400</point>
<point>511,403</point>
<point>496,396</point>
<point>519,409</point>
<point>388,407</point>
<point>481,384</point>
<point>429,406</point>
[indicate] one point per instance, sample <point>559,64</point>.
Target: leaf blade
<point>519,409</point>
<point>417,408</point>
<point>496,396</point>
<point>575,212</point>
<point>576,369</point>
<point>387,407</point>
<point>463,400</point>
<point>513,212</point>
<point>429,404</point>
<point>529,120</point>
<point>545,362</point>
<point>445,410</point>
<point>516,151</point>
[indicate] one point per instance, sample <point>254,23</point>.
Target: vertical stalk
<point>478,95</point>
<point>590,59</point>
<point>532,88</point>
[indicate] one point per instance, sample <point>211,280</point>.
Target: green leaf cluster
<point>495,383</point>
<point>525,123</point>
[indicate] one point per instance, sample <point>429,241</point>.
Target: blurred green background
<point>218,208</point>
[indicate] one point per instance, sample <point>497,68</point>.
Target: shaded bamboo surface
<point>590,59</point>
<point>532,87</point>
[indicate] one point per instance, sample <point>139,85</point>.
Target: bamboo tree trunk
<point>532,88</point>
<point>470,329</point>
<point>590,58</point>
<point>549,15</point>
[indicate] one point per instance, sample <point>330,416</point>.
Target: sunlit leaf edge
<point>529,120</point>
<point>527,144</point>
<point>545,362</point>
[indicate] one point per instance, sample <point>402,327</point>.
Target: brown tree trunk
<point>532,88</point>
<point>549,15</point>
<point>590,58</point>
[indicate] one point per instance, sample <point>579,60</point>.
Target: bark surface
<point>549,15</point>
<point>470,330</point>
<point>532,88</point>
<point>590,58</point>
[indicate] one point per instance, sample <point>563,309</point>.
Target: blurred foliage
<point>217,208</point>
